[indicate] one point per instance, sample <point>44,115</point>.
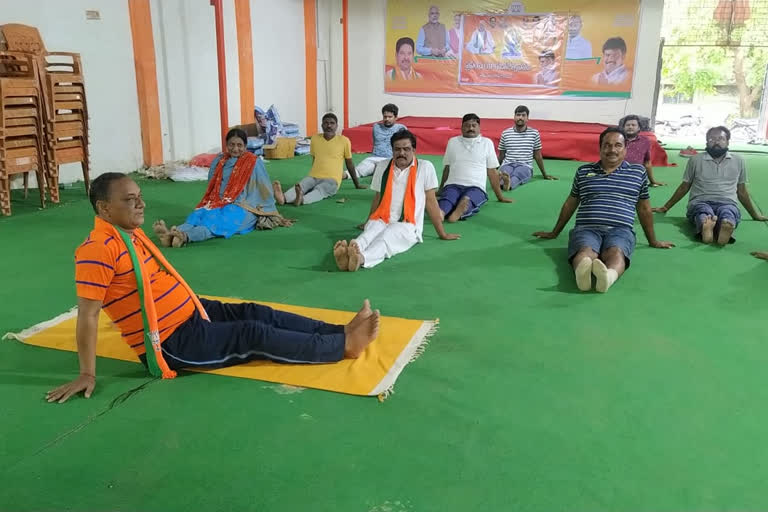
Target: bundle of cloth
<point>302,146</point>
<point>255,145</point>
<point>290,130</point>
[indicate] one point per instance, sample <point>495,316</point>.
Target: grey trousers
<point>314,190</point>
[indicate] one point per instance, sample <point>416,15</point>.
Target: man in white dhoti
<point>405,189</point>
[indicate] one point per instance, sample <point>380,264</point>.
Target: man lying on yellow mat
<point>120,270</point>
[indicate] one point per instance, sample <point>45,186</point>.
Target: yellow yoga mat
<point>374,373</point>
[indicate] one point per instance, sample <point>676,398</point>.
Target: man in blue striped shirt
<point>607,194</point>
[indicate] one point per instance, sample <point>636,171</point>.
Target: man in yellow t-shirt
<point>329,151</point>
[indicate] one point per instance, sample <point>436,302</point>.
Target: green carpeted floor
<point>532,396</point>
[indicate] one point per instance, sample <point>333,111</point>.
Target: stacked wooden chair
<point>22,144</point>
<point>66,116</point>
<point>61,111</point>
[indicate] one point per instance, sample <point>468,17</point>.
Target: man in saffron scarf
<point>118,269</point>
<point>405,187</point>
<point>239,199</point>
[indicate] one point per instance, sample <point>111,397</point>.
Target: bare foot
<point>277,190</point>
<point>362,315</point>
<point>708,229</point>
<point>179,238</point>
<point>356,258</point>
<point>460,210</point>
<point>761,255</point>
<point>341,255</point>
<point>726,230</point>
<point>360,335</point>
<point>161,230</point>
<point>505,181</point>
<point>299,196</point>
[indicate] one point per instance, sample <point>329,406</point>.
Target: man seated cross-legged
<point>606,193</point>
<point>405,188</point>
<point>118,269</point>
<point>469,159</point>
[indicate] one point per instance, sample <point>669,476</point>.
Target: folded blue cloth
<point>254,142</point>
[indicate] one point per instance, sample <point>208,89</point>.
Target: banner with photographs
<point>567,48</point>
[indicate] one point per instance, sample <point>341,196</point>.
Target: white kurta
<point>381,240</point>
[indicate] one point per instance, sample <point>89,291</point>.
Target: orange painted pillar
<point>310,64</point>
<point>146,81</point>
<point>245,59</point>
<point>221,59</point>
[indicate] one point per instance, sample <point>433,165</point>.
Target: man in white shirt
<point>614,71</point>
<point>405,189</point>
<point>577,47</point>
<point>468,159</point>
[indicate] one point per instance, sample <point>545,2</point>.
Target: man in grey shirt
<point>715,179</point>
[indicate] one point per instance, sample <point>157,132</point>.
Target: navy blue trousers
<point>238,333</point>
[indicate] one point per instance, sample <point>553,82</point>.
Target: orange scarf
<point>239,178</point>
<point>385,205</point>
<point>155,361</point>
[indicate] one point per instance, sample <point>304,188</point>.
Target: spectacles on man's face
<point>720,138</point>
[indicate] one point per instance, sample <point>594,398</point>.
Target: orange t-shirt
<point>104,272</point>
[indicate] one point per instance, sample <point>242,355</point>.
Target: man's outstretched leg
<point>703,217</point>
<point>448,200</point>
<point>277,190</point>
<point>583,246</point>
<point>276,335</point>
<point>394,239</point>
<point>462,208</point>
<point>708,223</point>
<point>514,174</point>
<point>356,258</point>
<point>582,268</point>
<point>729,217</point>
<point>608,268</point>
<point>163,233</point>
<point>361,331</point>
<point>341,255</point>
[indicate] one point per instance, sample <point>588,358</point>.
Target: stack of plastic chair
<point>65,112</point>
<point>66,115</point>
<point>22,146</point>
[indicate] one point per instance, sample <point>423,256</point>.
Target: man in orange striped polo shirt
<point>219,335</point>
